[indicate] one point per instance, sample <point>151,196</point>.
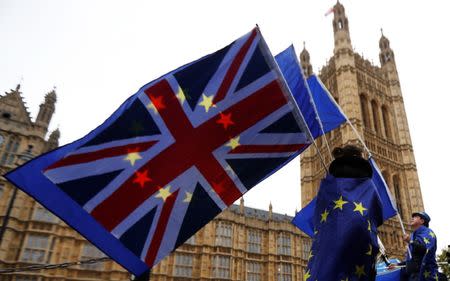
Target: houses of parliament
<point>242,243</point>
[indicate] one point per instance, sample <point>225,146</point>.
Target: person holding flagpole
<point>346,217</point>
<point>421,266</point>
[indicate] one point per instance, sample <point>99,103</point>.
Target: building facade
<point>240,244</point>
<point>372,99</point>
<point>31,234</point>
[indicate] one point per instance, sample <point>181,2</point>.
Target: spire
<point>13,106</point>
<point>386,53</point>
<point>270,210</point>
<point>305,62</point>
<point>46,109</point>
<point>53,140</point>
<point>241,205</point>
<point>341,28</point>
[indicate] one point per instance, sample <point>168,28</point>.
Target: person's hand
<point>392,266</point>
<point>406,238</point>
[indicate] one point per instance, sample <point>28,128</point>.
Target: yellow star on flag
<point>426,274</point>
<point>359,208</point>
<point>207,102</point>
<point>436,277</point>
<point>306,276</point>
<point>180,95</point>
<point>324,216</point>
<point>369,253</point>
<point>369,228</point>
<point>234,142</point>
<point>310,255</point>
<point>188,197</point>
<point>432,234</point>
<point>426,241</point>
<point>360,271</point>
<point>132,157</point>
<point>339,203</point>
<point>164,193</point>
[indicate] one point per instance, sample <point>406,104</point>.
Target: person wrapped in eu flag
<point>346,217</point>
<point>421,265</point>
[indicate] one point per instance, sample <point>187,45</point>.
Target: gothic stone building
<point>372,99</point>
<point>32,234</point>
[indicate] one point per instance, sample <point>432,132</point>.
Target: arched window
<point>375,117</point>
<point>387,122</point>
<point>10,152</point>
<point>364,111</point>
<point>397,194</point>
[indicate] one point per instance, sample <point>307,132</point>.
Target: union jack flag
<point>174,155</point>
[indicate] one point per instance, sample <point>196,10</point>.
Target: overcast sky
<point>98,53</point>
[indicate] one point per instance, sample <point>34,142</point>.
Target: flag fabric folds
<point>313,99</point>
<point>290,67</point>
<point>389,207</point>
<point>347,213</point>
<point>304,218</point>
<point>330,114</point>
<point>172,156</point>
<point>428,267</point>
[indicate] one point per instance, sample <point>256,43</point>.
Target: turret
<point>46,110</point>
<point>53,140</point>
<point>387,61</point>
<point>341,29</point>
<point>386,53</point>
<point>305,62</point>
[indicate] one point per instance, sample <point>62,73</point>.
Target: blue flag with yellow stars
<point>429,268</point>
<point>347,214</point>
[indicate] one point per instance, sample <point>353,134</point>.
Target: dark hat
<point>422,215</point>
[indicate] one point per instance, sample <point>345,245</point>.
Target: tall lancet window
<point>375,117</point>
<point>386,122</point>
<point>365,111</point>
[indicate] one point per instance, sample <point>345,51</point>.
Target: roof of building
<point>260,214</point>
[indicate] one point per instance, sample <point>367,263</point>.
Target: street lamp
<point>21,159</point>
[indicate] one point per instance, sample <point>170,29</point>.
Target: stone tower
<point>371,97</point>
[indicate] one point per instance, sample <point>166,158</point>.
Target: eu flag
<point>347,214</point>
